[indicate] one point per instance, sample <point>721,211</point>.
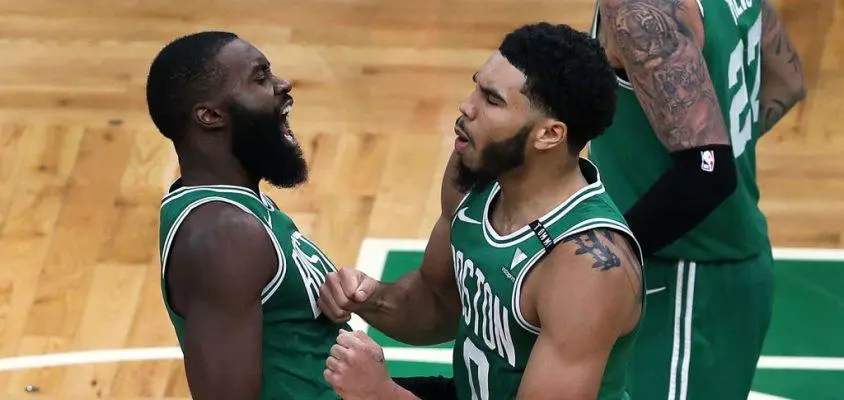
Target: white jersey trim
<point>551,217</point>
<point>589,224</point>
<point>281,269</point>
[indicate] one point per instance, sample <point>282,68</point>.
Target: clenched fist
<point>356,368</point>
<point>344,292</point>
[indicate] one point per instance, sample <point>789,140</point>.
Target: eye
<point>263,75</point>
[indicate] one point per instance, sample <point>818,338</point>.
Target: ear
<point>552,134</point>
<point>208,117</point>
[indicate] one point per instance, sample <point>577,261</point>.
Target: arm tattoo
<point>608,253</point>
<point>667,71</point>
<point>589,243</point>
<point>788,87</point>
<point>773,110</point>
<point>774,33</point>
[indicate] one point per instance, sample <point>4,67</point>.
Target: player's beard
<point>258,143</point>
<point>496,159</point>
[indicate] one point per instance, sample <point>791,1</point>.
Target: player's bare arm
<point>422,307</point>
<point>783,81</point>
<point>221,259</point>
<point>586,294</point>
<point>657,42</point>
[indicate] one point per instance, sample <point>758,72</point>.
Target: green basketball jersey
<point>632,159</point>
<point>296,336</point>
<point>494,341</point>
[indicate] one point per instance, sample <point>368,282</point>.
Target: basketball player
<point>700,81</point>
<point>530,267</point>
<point>239,280</point>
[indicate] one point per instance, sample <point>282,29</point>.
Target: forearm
<point>775,102</point>
<point>783,80</point>
<point>409,310</point>
<point>682,198</point>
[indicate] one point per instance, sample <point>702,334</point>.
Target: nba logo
<point>707,160</point>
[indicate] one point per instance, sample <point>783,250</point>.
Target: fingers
<point>334,365</point>
<point>329,307</point>
<point>349,340</point>
<point>340,352</point>
<point>343,293</point>
<point>359,343</point>
<point>333,300</point>
<point>365,288</point>
<point>349,281</point>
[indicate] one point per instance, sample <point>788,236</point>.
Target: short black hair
<point>569,78</point>
<point>182,72</point>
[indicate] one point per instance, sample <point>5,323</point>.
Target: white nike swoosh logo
<point>461,215</point>
<point>652,291</point>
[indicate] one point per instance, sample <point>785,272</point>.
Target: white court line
<point>764,396</point>
<point>808,254</point>
<point>371,259</point>
<point>802,363</point>
<point>91,357</point>
<point>410,354</point>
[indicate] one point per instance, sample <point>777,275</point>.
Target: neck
<point>532,191</point>
<point>199,167</point>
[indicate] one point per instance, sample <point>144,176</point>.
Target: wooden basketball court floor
<point>377,84</point>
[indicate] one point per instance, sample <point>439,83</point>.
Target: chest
<point>490,281</point>
<point>303,268</point>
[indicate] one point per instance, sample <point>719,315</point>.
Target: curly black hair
<point>568,78</point>
<point>182,73</point>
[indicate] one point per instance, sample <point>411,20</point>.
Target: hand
<point>345,292</point>
<point>356,368</point>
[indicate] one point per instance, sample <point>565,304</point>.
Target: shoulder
<point>683,15</point>
<point>606,248</point>
<point>598,267</point>
<point>217,221</point>
<point>227,242</point>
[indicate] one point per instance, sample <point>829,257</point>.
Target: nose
<point>282,86</point>
<point>467,109</point>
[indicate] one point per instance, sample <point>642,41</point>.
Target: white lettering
<point>312,268</point>
<point>482,309</point>
<point>739,7</point>
<point>478,291</point>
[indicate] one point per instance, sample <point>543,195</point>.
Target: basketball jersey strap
<point>542,234</point>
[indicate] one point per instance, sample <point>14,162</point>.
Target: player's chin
<point>467,159</point>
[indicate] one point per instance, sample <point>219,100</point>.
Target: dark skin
<point>584,294</point>
<point>209,283</point>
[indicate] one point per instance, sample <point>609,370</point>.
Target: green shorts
<point>703,330</point>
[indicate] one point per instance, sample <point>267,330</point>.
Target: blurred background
<point>377,84</point>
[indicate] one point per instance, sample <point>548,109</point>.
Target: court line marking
<point>408,354</point>
<point>371,260</point>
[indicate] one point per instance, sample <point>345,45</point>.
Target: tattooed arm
<point>664,64</point>
<point>584,295</point>
<point>783,82</point>
<point>667,71</point>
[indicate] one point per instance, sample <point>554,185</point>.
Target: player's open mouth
<point>462,139</point>
<point>285,124</point>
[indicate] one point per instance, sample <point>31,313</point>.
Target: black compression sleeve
<point>698,182</point>
<point>429,387</point>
